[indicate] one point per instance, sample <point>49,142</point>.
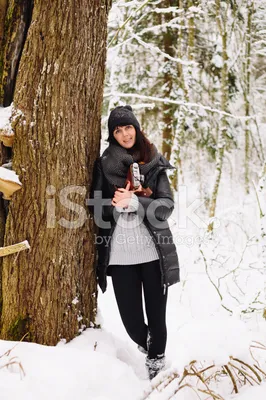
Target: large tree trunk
<point>49,291</point>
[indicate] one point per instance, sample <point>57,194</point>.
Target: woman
<point>134,242</point>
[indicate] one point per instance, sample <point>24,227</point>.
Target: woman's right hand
<point>122,197</point>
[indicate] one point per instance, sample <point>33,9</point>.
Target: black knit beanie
<point>121,116</point>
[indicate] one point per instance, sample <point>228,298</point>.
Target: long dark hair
<point>142,145</point>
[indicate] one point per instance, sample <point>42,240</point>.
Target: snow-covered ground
<point>103,364</point>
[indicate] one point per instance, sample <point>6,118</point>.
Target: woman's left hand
<point>122,197</point>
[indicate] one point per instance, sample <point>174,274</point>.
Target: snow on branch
<point>127,20</point>
<point>178,102</point>
<point>155,29</point>
<point>175,10</point>
<point>159,51</point>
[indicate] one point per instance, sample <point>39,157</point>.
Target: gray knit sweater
<point>131,241</point>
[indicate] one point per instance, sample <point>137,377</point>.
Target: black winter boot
<point>155,365</point>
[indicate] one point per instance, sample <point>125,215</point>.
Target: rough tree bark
<point>49,291</point>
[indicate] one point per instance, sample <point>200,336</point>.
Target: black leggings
<point>128,281</point>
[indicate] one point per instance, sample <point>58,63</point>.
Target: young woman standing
<point>136,246</point>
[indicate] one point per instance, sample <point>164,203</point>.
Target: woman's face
<point>125,136</point>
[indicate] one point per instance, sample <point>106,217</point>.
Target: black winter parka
<point>161,208</point>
